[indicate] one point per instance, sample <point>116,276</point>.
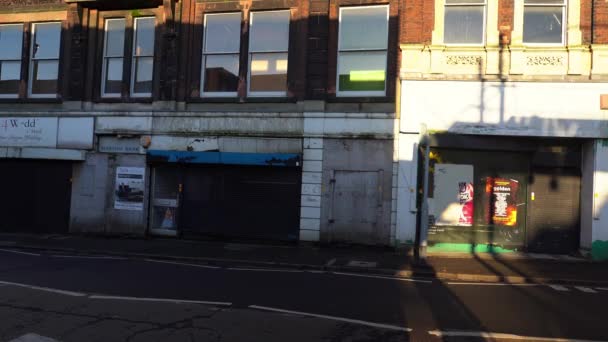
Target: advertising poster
<point>129,192</point>
<point>452,202</point>
<point>503,201</point>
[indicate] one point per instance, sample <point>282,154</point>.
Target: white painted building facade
<point>478,102</point>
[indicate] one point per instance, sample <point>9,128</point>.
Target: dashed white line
<point>182,264</point>
<point>331,262</point>
<point>88,257</point>
<point>333,318</point>
<point>382,277</point>
<point>559,287</point>
<point>160,300</point>
<point>602,288</point>
<point>490,284</point>
<point>46,289</point>
<point>18,252</point>
<point>491,335</point>
<point>585,289</point>
<point>263,269</point>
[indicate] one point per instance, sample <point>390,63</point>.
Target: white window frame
<point>106,57</point>
<point>32,60</point>
<point>564,6</point>
<point>250,56</point>
<point>134,58</point>
<point>350,93</point>
<point>204,60</point>
<point>20,60</point>
<point>484,25</point>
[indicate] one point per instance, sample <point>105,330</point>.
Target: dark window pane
<point>221,73</point>
<point>269,31</point>
<point>113,76</point>
<point>115,37</point>
<point>362,71</point>
<point>10,74</point>
<point>268,72</point>
<point>222,32</point>
<point>364,28</point>
<point>464,25</point>
<point>47,40</point>
<point>543,24</point>
<point>11,41</point>
<point>44,80</point>
<point>144,45</point>
<point>142,84</point>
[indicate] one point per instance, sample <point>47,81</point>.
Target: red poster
<point>465,197</point>
<point>503,201</point>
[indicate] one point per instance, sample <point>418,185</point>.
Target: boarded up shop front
<point>493,194</point>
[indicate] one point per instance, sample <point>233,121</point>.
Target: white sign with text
<point>28,132</point>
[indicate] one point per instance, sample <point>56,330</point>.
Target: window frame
<point>564,35</point>
<point>484,24</point>
<point>366,93</point>
<point>134,57</point>
<point>106,58</point>
<point>20,60</point>
<point>31,59</point>
<point>250,56</point>
<point>97,74</point>
<point>223,94</point>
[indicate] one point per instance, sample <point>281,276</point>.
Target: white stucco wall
<point>513,108</point>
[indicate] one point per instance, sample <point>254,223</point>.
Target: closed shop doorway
<point>227,201</point>
<point>554,210</point>
<point>356,203</point>
<point>35,196</point>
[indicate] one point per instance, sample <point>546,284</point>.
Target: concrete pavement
<point>516,268</point>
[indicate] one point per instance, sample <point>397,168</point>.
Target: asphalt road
<point>71,298</point>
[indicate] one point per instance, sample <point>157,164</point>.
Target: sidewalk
<point>515,268</point>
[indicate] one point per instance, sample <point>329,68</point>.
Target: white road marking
<point>46,289</point>
<point>602,288</point>
<point>331,262</point>
<point>18,252</point>
<point>181,263</point>
<point>160,300</point>
<point>491,335</point>
<point>559,287</point>
<point>88,257</point>
<point>31,337</point>
<point>263,269</point>
<point>381,277</point>
<point>334,318</point>
<point>585,289</point>
<point>490,284</point>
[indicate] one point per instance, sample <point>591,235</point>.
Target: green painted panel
<point>599,250</point>
<point>468,248</point>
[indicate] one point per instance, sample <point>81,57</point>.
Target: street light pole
<point>424,216</point>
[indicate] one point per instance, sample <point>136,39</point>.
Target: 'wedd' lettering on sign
<point>28,132</point>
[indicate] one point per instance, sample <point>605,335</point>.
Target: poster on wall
<point>452,202</point>
<point>503,201</point>
<point>129,192</point>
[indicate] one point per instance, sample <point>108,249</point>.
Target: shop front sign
<point>28,132</point>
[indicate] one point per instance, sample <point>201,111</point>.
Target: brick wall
<point>600,21</point>
<point>505,18</point>
<point>11,6</point>
<point>417,21</point>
